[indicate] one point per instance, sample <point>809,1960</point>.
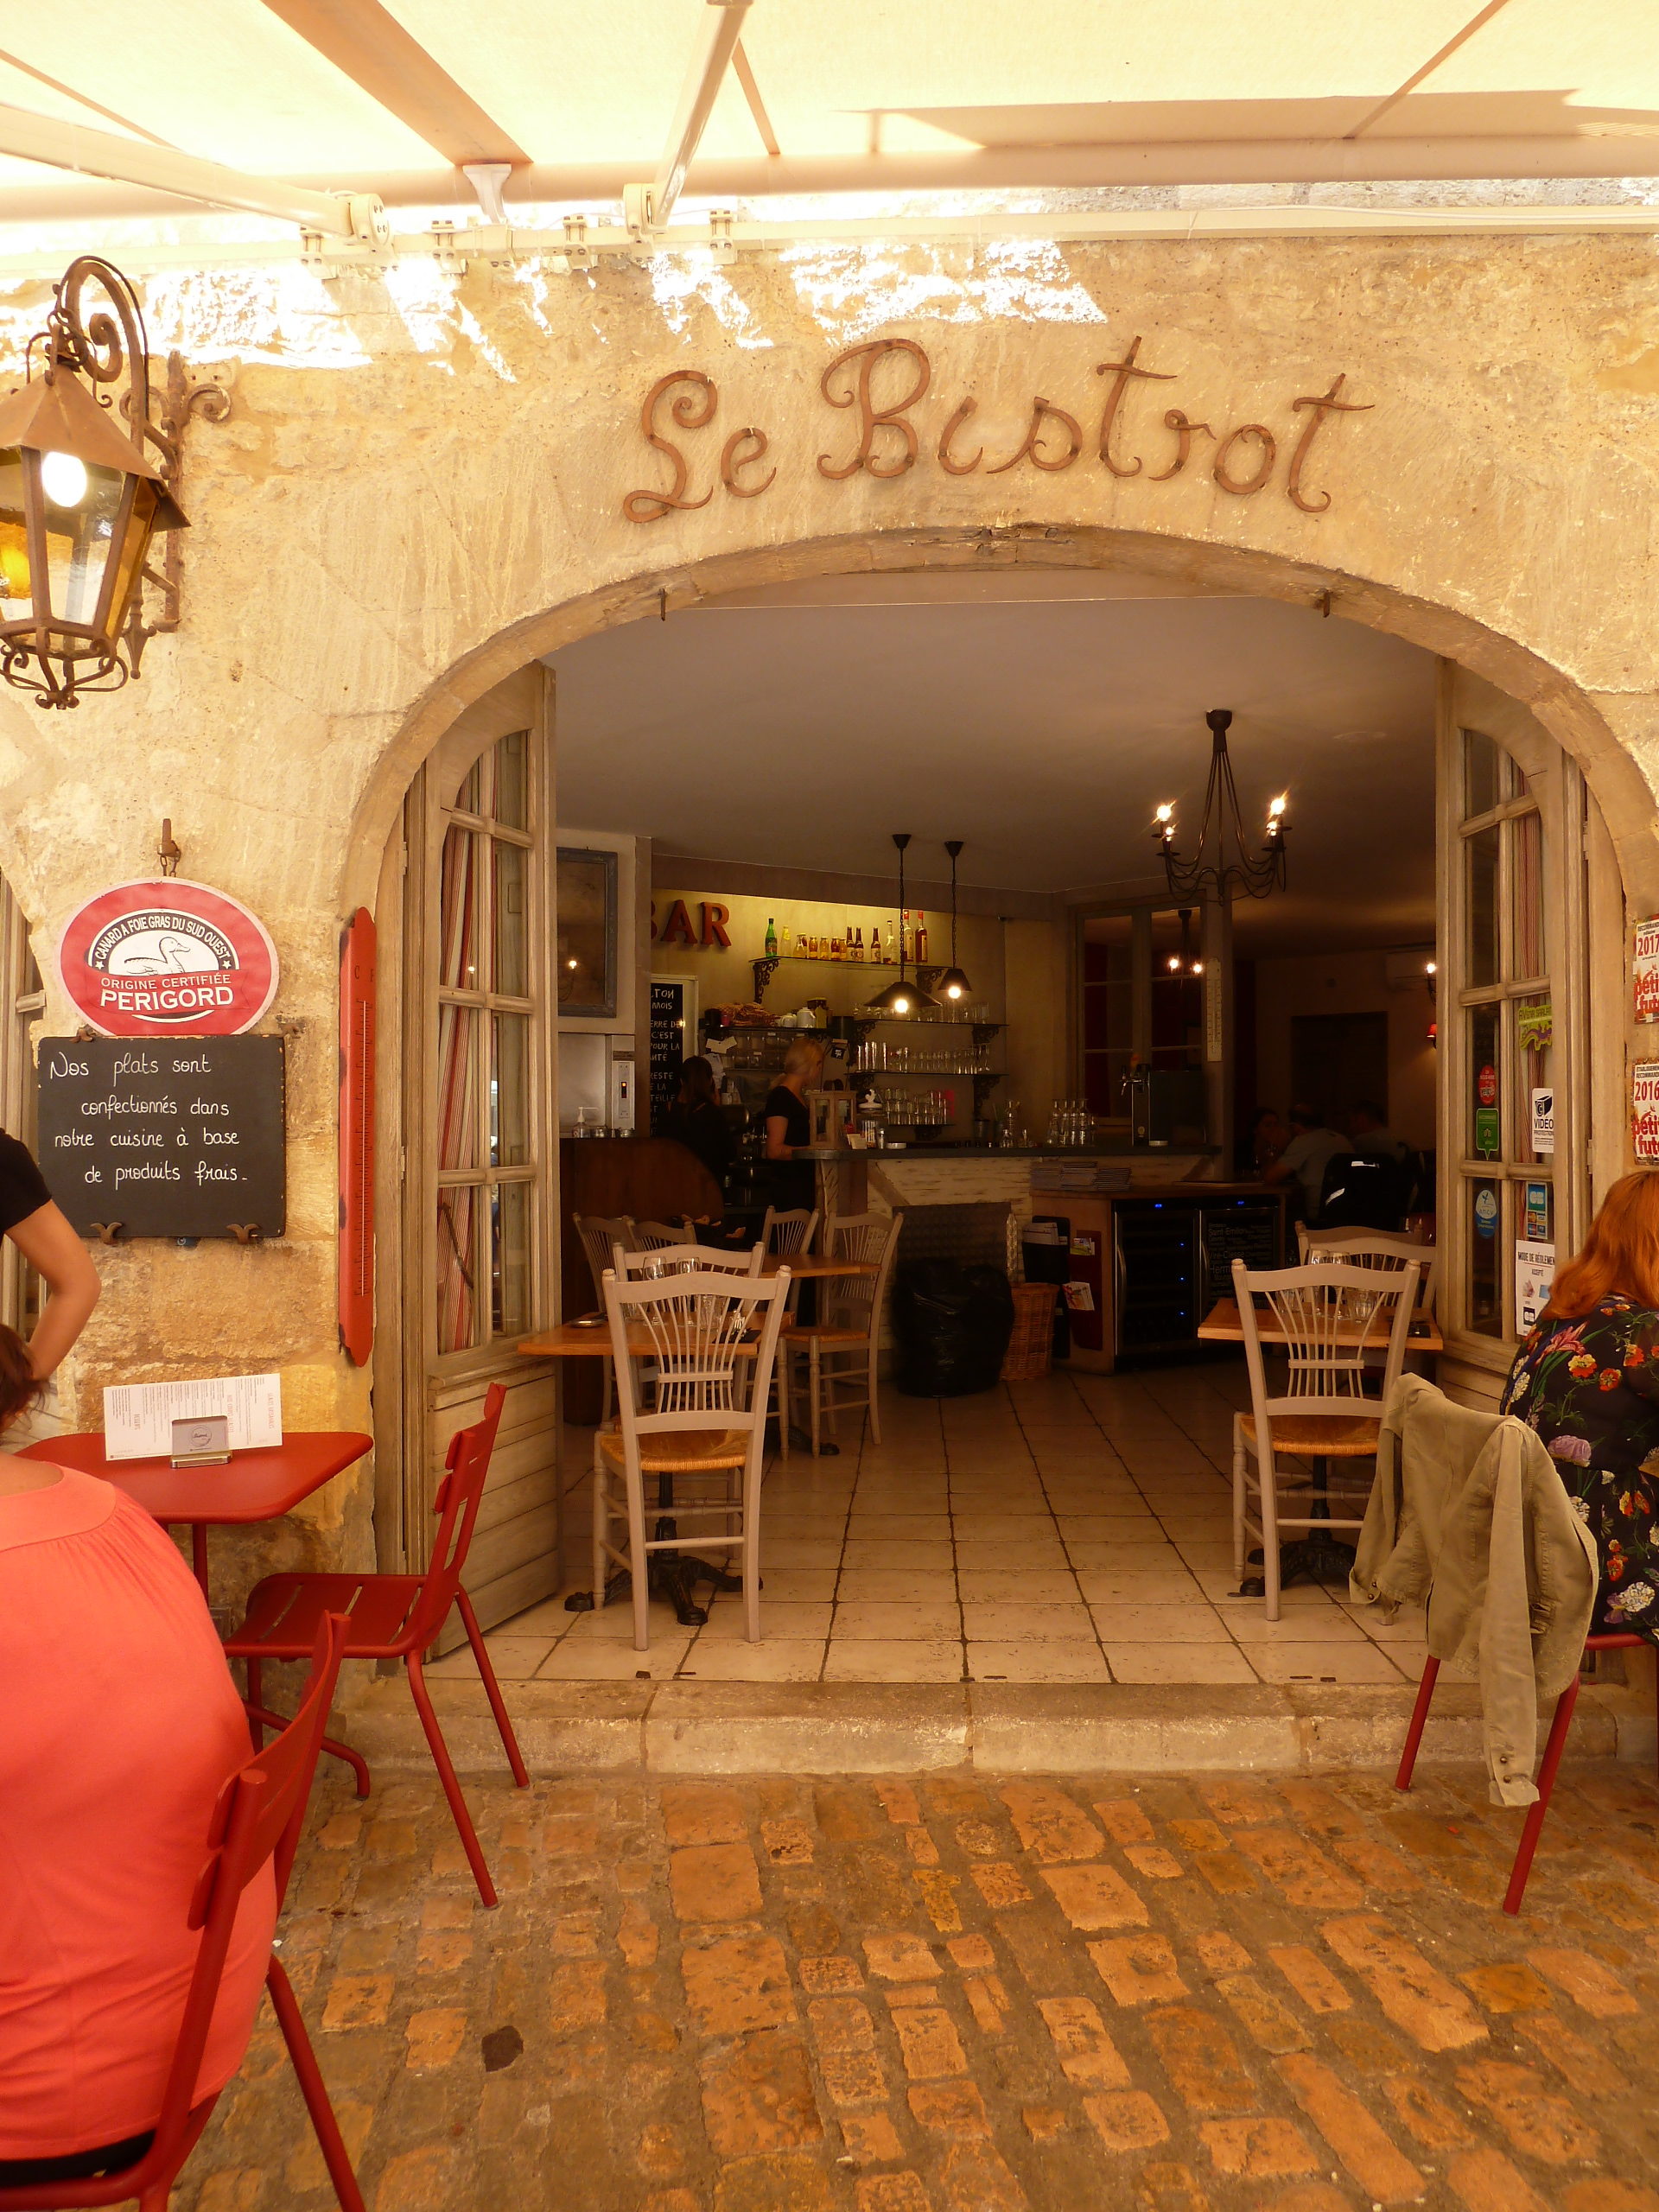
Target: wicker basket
<point>1030,1348</point>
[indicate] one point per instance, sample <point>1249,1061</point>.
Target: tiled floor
<point>1072,1530</point>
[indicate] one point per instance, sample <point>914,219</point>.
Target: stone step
<point>675,1727</point>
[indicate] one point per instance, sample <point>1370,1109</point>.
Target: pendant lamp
<point>953,986</point>
<point>902,997</point>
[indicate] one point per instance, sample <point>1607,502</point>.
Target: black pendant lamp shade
<point>953,986</point>
<point>902,997</point>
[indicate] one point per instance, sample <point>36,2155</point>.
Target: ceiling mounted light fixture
<point>80,498</point>
<point>902,997</point>
<point>953,986</point>
<point>1210,874</point>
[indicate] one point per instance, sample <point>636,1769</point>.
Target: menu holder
<point>205,1443</point>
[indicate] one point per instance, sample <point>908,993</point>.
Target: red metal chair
<point>395,1617</point>
<point>258,1817</point>
<point>1555,1745</point>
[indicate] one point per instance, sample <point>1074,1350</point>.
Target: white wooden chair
<point>1331,1315</point>
<point>789,1232</point>
<point>1373,1248</point>
<point>842,1347</point>
<point>656,1236</point>
<point>707,1425</point>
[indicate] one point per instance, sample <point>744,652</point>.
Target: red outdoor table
<point>256,1486</point>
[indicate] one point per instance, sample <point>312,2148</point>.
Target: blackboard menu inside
<point>670,1041</point>
<point>166,1136</point>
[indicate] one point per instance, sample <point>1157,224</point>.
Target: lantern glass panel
<point>82,501</point>
<point>16,604</point>
<point>135,544</point>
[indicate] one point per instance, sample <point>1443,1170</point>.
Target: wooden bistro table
<point>672,1576</point>
<point>1317,1555</point>
<point>261,1485</point>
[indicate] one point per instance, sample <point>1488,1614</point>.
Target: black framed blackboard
<point>164,1136</point>
<point>673,1024</point>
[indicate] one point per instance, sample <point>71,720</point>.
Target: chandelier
<point>1210,874</point>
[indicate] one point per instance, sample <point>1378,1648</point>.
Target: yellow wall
<point>1348,982</point>
<point>1040,1009</point>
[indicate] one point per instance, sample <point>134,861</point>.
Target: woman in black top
<point>697,1120</point>
<point>790,1181</point>
<point>38,1230</point>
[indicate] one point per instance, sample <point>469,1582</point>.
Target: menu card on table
<point>138,1417</point>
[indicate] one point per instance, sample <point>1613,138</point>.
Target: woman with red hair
<point>1587,1380</point>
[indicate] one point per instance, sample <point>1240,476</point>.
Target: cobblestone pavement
<point>955,1995</point>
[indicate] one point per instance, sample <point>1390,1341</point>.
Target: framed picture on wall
<point>585,899</point>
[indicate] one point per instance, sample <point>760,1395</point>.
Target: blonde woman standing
<point>788,1121</point>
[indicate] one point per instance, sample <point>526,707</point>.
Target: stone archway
<point>1560,705</point>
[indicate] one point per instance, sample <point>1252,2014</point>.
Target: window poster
<point>1534,1271</point>
<point>1535,1025</point>
<point>1536,1213</point>
<point>1644,969</point>
<point>1644,1110</point>
<point>1543,1121</point>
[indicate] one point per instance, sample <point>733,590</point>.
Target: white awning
<point>309,111</point>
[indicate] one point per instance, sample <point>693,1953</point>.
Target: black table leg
<point>669,1575</point>
<point>1318,1554</point>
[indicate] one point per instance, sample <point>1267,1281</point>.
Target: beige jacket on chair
<point>1469,1512</point>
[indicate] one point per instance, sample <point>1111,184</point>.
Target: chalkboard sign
<point>673,1038</point>
<point>164,1136</point>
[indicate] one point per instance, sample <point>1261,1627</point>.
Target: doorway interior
<point>750,758</point>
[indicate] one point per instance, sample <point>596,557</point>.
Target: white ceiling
<point>1039,718</point>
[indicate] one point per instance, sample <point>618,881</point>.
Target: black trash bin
<point>952,1325</point>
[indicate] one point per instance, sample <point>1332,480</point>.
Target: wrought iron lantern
<point>80,498</point>
<point>1210,873</point>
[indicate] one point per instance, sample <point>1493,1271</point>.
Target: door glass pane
<point>1482,769</point>
<point>1480,858</point>
<point>509,1260</point>
<point>509,890</point>
<point>1527,943</point>
<point>512,780</point>
<point>1485,1128</point>
<point>510,1091</point>
<point>458,912</point>
<point>1486,1241</point>
<point>468,799</point>
<point>458,1047</point>
<point>457,1269</point>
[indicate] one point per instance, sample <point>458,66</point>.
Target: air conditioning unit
<point>1407,969</point>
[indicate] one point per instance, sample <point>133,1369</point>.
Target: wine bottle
<point>772,939</point>
<point>921,938</point>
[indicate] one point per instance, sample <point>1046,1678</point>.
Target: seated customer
<point>119,1724</point>
<point>1313,1146</point>
<point>1368,1131</point>
<point>1586,1379</point>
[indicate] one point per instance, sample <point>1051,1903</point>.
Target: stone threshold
<point>675,1727</point>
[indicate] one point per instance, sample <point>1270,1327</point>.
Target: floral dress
<point>1590,1387</point>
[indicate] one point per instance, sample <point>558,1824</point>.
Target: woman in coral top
<point>1587,1380</point>
<point>118,1725</point>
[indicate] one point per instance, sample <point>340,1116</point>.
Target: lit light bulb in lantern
<point>63,479</point>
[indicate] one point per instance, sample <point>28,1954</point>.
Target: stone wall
<point>422,485</point>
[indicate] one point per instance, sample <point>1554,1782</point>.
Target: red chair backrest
<point>258,1816</point>
<point>458,1494</point>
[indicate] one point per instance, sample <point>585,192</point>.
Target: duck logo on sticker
<point>168,958</point>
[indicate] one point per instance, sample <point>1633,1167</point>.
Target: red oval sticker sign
<point>1486,1086</point>
<point>167,959</point>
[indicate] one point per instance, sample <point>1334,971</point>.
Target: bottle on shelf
<point>921,938</point>
<point>856,944</point>
<point>772,938</point>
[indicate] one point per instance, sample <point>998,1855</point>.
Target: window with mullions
<point>488,1011</point>
<point>1504,1057</point>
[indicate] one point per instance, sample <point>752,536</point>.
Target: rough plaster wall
<point>419,463</point>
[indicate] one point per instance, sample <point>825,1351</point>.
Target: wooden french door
<point>468,1039</point>
<point>1529,912</point>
